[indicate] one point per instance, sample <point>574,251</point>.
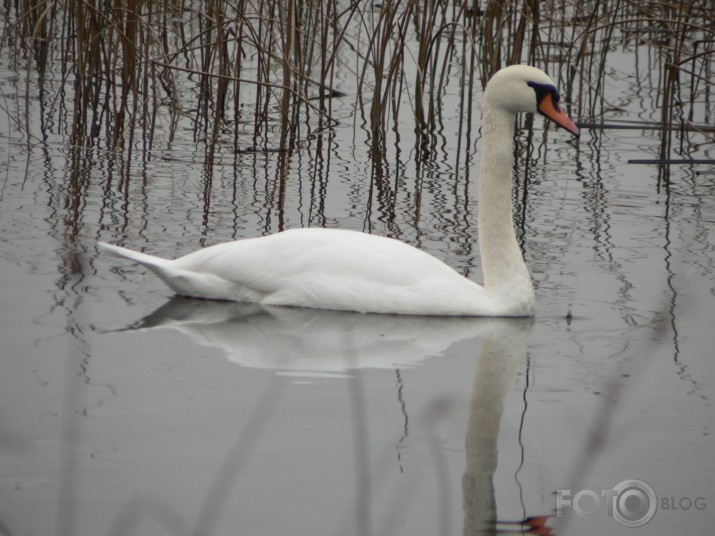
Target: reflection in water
<point>502,355</point>
<point>309,341</point>
<point>314,342</point>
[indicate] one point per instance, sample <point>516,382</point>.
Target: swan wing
<point>323,269</point>
<point>338,269</point>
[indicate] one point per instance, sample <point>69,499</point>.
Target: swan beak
<point>551,110</point>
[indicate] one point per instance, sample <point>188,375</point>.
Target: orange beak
<point>552,111</point>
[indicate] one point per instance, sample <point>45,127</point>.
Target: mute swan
<point>352,271</point>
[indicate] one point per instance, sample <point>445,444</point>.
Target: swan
<point>352,271</point>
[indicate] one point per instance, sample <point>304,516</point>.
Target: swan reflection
<point>502,355</point>
<point>314,342</point>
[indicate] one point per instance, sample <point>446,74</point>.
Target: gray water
<point>126,411</point>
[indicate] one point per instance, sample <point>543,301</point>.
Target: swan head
<point>522,88</point>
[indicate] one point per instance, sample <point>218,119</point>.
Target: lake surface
<point>126,411</point>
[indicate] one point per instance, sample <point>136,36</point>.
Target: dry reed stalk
<point>268,59</point>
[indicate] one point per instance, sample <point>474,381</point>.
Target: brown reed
<point>267,69</point>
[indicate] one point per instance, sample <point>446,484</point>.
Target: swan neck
<point>505,274</point>
<point>498,152</point>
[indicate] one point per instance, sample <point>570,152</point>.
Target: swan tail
<point>161,267</point>
<point>149,261</point>
<point>182,281</point>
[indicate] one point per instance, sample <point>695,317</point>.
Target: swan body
<point>323,269</point>
<point>352,271</point>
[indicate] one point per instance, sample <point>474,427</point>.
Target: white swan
<point>352,271</point>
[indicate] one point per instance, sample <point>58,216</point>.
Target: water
<point>207,418</point>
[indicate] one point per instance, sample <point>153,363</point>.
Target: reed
<point>265,71</point>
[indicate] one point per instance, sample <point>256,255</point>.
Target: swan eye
<point>544,90</point>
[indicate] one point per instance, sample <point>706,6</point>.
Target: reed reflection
<point>306,342</point>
